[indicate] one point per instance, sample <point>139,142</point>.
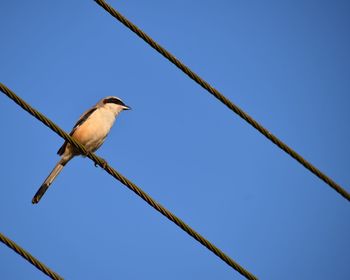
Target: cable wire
<point>223,99</point>
<point>102,163</point>
<point>39,265</point>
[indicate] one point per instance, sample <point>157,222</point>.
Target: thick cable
<point>103,164</point>
<point>223,99</point>
<point>34,261</point>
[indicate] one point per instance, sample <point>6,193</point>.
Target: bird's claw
<point>104,163</point>
<point>85,154</point>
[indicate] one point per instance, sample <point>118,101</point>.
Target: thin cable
<point>39,265</point>
<point>223,99</point>
<point>102,163</point>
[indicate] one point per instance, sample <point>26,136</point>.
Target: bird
<point>91,131</point>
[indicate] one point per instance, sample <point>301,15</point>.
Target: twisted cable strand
<point>103,164</point>
<point>39,265</point>
<point>223,99</point>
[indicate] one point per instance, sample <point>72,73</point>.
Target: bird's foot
<point>85,154</point>
<point>104,163</point>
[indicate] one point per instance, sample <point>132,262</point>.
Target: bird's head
<point>114,104</point>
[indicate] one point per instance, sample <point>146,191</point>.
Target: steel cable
<point>102,163</point>
<point>223,99</point>
<point>39,265</point>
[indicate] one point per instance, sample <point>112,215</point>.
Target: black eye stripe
<point>113,100</point>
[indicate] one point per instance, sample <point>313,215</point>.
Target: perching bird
<point>91,130</point>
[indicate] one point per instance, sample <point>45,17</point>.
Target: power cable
<point>34,261</point>
<point>102,163</point>
<point>223,99</point>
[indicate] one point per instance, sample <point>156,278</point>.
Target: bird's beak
<point>126,108</point>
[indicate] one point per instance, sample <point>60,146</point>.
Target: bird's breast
<point>95,129</point>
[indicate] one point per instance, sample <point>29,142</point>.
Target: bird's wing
<point>81,120</point>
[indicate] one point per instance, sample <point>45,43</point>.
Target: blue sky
<point>286,63</point>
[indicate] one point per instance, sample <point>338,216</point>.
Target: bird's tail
<point>48,181</point>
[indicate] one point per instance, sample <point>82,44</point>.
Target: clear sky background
<point>286,63</point>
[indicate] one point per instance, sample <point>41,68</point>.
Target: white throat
<point>115,109</point>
